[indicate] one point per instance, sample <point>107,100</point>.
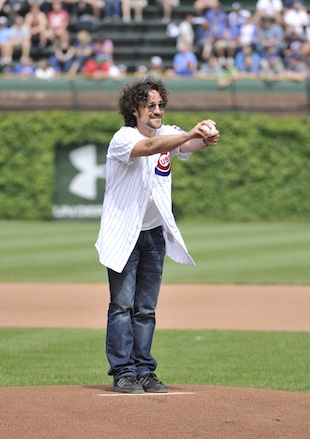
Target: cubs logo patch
<point>178,129</point>
<point>163,165</point>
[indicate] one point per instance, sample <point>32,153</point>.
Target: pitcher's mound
<point>187,412</point>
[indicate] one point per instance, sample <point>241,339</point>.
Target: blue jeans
<point>113,7</point>
<point>131,314</point>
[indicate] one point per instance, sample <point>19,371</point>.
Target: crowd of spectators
<point>45,24</point>
<point>41,24</point>
<point>271,40</point>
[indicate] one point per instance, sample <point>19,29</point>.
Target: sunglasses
<point>152,106</point>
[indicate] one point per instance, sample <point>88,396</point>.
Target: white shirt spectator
<point>20,32</point>
<point>248,32</point>
<point>44,70</point>
<point>269,7</point>
<point>186,34</point>
<point>238,15</point>
<point>296,18</point>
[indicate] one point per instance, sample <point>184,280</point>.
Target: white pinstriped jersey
<point>129,184</point>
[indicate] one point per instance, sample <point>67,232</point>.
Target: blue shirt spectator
<point>247,60</point>
<point>5,42</point>
<point>238,16</point>
<point>5,31</point>
<point>83,47</point>
<point>25,68</point>
<point>290,3</point>
<point>270,35</point>
<point>217,18</point>
<point>271,64</point>
<point>237,19</point>
<point>297,69</point>
<point>205,40</point>
<point>295,45</point>
<point>185,62</point>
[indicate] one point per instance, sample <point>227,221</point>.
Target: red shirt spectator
<point>58,20</point>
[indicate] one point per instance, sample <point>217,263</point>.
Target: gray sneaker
<point>128,384</point>
<point>150,383</point>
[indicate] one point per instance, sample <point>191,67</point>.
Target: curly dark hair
<point>135,94</point>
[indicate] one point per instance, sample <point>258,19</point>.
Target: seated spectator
<point>295,45</point>
<point>296,69</point>
<point>217,18</point>
<point>20,37</point>
<point>44,70</point>
<point>95,7</point>
<point>296,18</point>
<point>227,36</point>
<point>87,22</point>
<point>269,9</point>
<point>167,6</point>
<point>155,68</point>
<point>45,5</point>
<point>63,56</point>
<point>201,6</point>
<point>11,8</point>
<point>25,68</point>
<point>185,63</point>
<point>101,65</point>
<point>104,47</point>
<point>36,20</point>
<point>227,75</point>
<point>270,35</point>
<point>58,21</point>
<point>248,32</point>
<point>83,47</point>
<point>238,17</point>
<point>205,39</point>
<point>5,42</point>
<point>99,68</point>
<point>96,68</point>
<point>113,10</point>
<point>287,4</point>
<point>72,7</point>
<point>226,42</point>
<point>78,8</point>
<point>211,68</point>
<point>136,5</point>
<point>224,37</point>
<point>271,65</point>
<point>88,15</point>
<point>247,61</point>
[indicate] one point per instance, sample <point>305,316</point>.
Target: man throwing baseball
<point>138,227</point>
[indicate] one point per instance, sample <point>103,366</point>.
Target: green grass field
<point>224,253</point>
<point>270,360</point>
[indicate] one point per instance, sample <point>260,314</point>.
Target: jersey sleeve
<point>122,144</point>
<point>174,129</point>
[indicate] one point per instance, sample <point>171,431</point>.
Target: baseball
<point>209,130</point>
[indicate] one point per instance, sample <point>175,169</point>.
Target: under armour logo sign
<point>84,184</point>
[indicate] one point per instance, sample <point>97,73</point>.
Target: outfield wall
<point>186,94</point>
